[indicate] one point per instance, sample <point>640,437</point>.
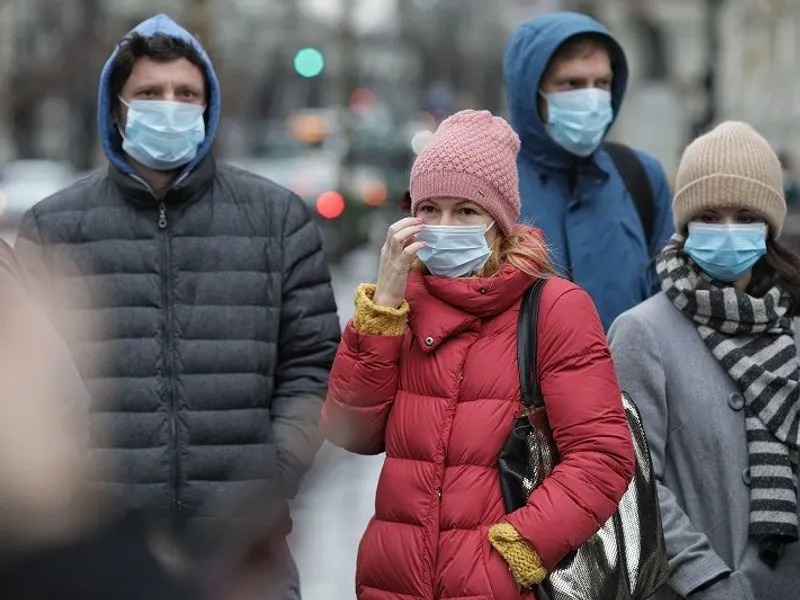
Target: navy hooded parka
<point>588,217</point>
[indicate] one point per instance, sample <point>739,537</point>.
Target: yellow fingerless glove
<point>525,563</point>
<point>371,319</point>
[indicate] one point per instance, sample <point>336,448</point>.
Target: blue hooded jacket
<point>593,228</point>
<point>110,137</point>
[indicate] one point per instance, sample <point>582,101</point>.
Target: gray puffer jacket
<point>204,326</point>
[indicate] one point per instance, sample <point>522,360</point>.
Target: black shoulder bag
<point>626,559</point>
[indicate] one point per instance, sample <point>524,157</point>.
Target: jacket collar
<point>186,188</point>
<point>441,307</point>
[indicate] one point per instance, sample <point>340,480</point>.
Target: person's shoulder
<point>80,195</point>
<point>566,296</point>
<point>648,159</point>
<point>655,170</point>
<point>651,164</point>
<point>656,314</point>
<point>253,186</point>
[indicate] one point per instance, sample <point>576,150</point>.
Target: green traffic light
<point>309,62</point>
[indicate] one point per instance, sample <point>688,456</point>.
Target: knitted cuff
<point>371,319</point>
<point>525,563</point>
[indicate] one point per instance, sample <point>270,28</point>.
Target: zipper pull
<point>162,216</point>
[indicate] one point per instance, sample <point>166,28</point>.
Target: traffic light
<point>309,62</point>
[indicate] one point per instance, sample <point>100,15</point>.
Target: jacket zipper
<point>443,445</point>
<point>168,372</point>
<point>576,200</point>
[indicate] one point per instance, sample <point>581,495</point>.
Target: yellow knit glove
<point>371,319</point>
<point>525,563</point>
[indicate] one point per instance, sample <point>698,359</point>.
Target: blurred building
<point>695,63</point>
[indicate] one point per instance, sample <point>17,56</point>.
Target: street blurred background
<point>333,99</point>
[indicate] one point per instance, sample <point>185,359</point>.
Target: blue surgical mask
<point>161,134</point>
<point>453,251</point>
<point>726,252</point>
<point>577,120</point>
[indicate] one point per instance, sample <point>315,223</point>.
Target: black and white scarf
<point>753,340</point>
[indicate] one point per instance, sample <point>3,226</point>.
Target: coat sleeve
<point>636,354</point>
<point>309,334</point>
<point>364,378</point>
<point>590,430</point>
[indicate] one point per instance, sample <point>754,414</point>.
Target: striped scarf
<point>753,340</point>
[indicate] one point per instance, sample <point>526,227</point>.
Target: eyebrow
<point>568,78</point>
<point>158,85</point>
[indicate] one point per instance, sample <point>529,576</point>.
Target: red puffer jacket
<point>440,400</point>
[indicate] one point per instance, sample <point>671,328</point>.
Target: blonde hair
<point>522,249</point>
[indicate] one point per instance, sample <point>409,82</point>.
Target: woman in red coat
<point>427,373</point>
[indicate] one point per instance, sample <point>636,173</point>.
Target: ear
<point>118,113</point>
<point>542,102</point>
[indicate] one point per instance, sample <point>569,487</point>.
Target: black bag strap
<point>638,184</point>
<point>527,325</point>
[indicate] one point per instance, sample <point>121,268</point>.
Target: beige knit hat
<point>730,166</point>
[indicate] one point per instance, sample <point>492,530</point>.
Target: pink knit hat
<point>472,155</point>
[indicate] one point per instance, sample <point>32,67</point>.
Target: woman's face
<point>456,212</point>
<point>728,216</point>
<point>727,254</point>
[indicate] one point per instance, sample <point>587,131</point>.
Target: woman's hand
<point>397,255</point>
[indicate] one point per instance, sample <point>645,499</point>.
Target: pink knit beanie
<point>472,155</point>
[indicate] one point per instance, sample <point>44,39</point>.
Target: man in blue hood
<point>565,79</point>
<point>201,312</point>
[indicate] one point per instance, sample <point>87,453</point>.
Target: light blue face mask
<point>577,120</point>
<point>161,134</point>
<point>454,251</point>
<point>726,252</point>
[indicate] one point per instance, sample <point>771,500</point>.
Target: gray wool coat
<point>695,423</point>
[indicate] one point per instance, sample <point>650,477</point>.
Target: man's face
<point>588,69</point>
<point>177,81</point>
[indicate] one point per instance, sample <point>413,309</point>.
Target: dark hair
<point>786,160</point>
<point>581,45</point>
<point>160,48</point>
<point>780,266</point>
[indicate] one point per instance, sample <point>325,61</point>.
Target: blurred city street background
<point>333,99</point>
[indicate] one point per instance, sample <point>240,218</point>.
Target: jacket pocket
<point>498,574</point>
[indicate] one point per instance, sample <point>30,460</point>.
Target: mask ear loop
<point>120,129</point>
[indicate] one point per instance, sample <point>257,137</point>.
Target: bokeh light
<point>330,204</point>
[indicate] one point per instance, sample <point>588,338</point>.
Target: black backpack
<point>638,184</point>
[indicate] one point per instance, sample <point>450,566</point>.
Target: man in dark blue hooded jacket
<point>565,79</point>
<point>197,301</point>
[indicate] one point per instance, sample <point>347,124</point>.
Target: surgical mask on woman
<point>454,251</point>
<point>161,134</point>
<point>726,251</point>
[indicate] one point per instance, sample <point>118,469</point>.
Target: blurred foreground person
<point>53,542</point>
<point>712,362</point>
<point>43,420</point>
<point>203,316</point>
<point>427,373</point>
